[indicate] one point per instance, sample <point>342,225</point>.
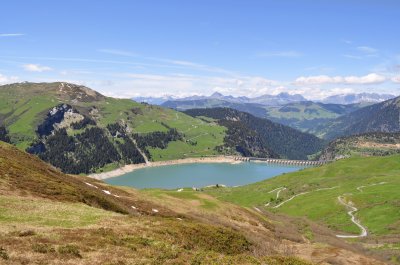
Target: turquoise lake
<point>200,175</point>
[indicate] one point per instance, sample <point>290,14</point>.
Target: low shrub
<point>43,248</point>
<point>3,254</point>
<point>71,250</point>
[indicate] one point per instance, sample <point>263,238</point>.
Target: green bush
<point>3,254</point>
<point>71,250</point>
<point>43,248</point>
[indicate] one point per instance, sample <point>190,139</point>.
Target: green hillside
<point>368,144</point>
<point>380,117</point>
<point>25,110</point>
<point>247,132</point>
<point>369,184</point>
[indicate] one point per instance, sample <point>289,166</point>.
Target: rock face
<point>77,93</point>
<point>55,119</point>
<point>61,116</point>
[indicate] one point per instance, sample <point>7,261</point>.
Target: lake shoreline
<point>132,167</point>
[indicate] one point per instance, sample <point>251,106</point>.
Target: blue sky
<point>130,48</point>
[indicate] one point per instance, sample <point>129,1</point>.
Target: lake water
<point>200,175</point>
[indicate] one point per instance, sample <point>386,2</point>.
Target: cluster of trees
<point>4,134</point>
<point>247,132</point>
<point>88,151</point>
<point>158,139</point>
<point>82,123</point>
<point>244,140</point>
<point>84,153</point>
<point>129,152</point>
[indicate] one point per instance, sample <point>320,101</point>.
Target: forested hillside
<point>381,117</point>
<point>283,140</point>
<point>80,131</point>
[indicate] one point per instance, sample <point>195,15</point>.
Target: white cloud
<point>117,52</point>
<point>11,35</point>
<point>367,49</point>
<point>350,56</point>
<point>7,79</point>
<point>36,68</point>
<point>287,54</point>
<point>396,79</point>
<point>372,78</point>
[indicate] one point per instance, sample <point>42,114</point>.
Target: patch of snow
<point>91,185</point>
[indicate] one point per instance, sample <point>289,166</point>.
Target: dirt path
<point>294,196</point>
<point>353,209</point>
<point>291,198</point>
<point>374,184</point>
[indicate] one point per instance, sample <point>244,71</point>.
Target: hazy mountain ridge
<point>380,117</point>
<point>358,98</point>
<point>273,100</point>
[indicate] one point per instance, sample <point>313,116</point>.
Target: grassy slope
<point>24,106</point>
<point>48,217</point>
<point>379,208</point>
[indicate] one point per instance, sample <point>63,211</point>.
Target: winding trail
<point>291,198</point>
<point>294,196</point>
<point>277,194</point>
<point>353,209</point>
<point>279,191</point>
<point>374,184</point>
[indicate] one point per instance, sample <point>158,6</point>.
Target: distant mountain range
<point>273,100</point>
<point>357,98</point>
<point>279,99</point>
<point>303,115</point>
<point>291,110</point>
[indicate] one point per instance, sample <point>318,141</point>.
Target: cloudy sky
<point>238,47</point>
